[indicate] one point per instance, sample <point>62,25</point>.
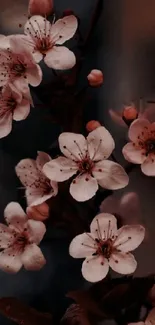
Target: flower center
<point>86,165</point>
<point>18,68</point>
<point>43,45</point>
<point>21,240</point>
<point>150,146</point>
<point>105,248</point>
<point>11,103</point>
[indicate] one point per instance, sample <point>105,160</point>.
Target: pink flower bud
<point>95,78</point>
<point>39,212</point>
<point>40,7</point>
<point>129,114</point>
<point>92,125</point>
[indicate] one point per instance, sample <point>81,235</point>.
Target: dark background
<point>123,46</point>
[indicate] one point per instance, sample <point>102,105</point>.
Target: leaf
<point>75,315</point>
<point>22,314</point>
<point>87,303</point>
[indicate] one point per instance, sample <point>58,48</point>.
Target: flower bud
<point>39,212</point>
<point>40,7</point>
<point>95,78</point>
<point>92,125</point>
<point>129,114</point>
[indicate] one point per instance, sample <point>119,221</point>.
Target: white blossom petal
<point>148,166</point>
<point>72,145</point>
<point>137,127</point>
<point>22,110</point>
<point>133,154</point>
<point>60,169</point>
<point>129,237</point>
<point>64,29</point>
<point>37,196</point>
<point>5,124</point>
<point>15,216</point>
<point>36,231</point>
<point>37,25</point>
<point>6,236</point>
<point>28,173</point>
<point>60,58</point>
<point>100,144</point>
<point>123,263</point>
<point>82,246</point>
<point>83,187</point>
<point>10,260</point>
<point>114,175</point>
<point>95,268</point>
<point>42,159</point>
<point>34,75</point>
<point>32,258</point>
<point>104,226</point>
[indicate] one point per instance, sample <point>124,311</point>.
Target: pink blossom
<point>40,7</point>
<point>39,212</point>
<point>44,40</point>
<point>106,246</point>
<point>88,158</point>
<point>95,78</point>
<point>19,241</point>
<point>39,188</point>
<point>13,106</point>
<point>17,62</point>
<point>141,148</point>
<point>150,319</point>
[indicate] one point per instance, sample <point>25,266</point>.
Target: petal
<point>37,196</point>
<point>117,118</point>
<point>39,212</point>
<point>42,159</point>
<point>32,258</point>
<point>137,127</point>
<point>133,154</point>
<point>12,91</point>
<point>15,216</point>
<point>95,269</point>
<point>129,237</point>
<point>150,320</point>
<point>123,263</point>
<point>37,25</point>
<point>104,226</point>
<point>64,29</point>
<point>5,124</point>
<point>34,75</point>
<point>36,231</point>
<point>100,143</point>
<point>22,110</point>
<point>83,187</point>
<point>114,176</point>
<point>72,145</point>
<point>28,172</point>
<point>10,260</point>
<point>82,246</point>
<point>6,236</point>
<point>148,166</point>
<point>60,169</point>
<point>60,58</point>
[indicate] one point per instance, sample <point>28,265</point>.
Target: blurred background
<point>123,46</point>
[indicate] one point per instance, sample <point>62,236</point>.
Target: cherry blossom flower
<point>129,113</point>
<point>106,246</point>
<point>88,157</point>
<point>39,188</point>
<point>39,212</point>
<point>40,7</point>
<point>150,319</point>
<point>44,40</point>
<point>141,149</point>
<point>13,106</point>
<point>95,78</point>
<point>19,241</point>
<point>17,62</point>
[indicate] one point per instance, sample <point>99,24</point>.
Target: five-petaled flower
<point>150,319</point>
<point>19,241</point>
<point>39,188</point>
<point>88,158</point>
<point>17,62</point>
<point>106,246</point>
<point>141,149</point>
<point>13,106</point>
<point>44,40</point>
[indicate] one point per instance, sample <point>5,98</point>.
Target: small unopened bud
<point>95,78</point>
<point>92,125</point>
<point>129,114</point>
<point>40,7</point>
<point>39,212</point>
